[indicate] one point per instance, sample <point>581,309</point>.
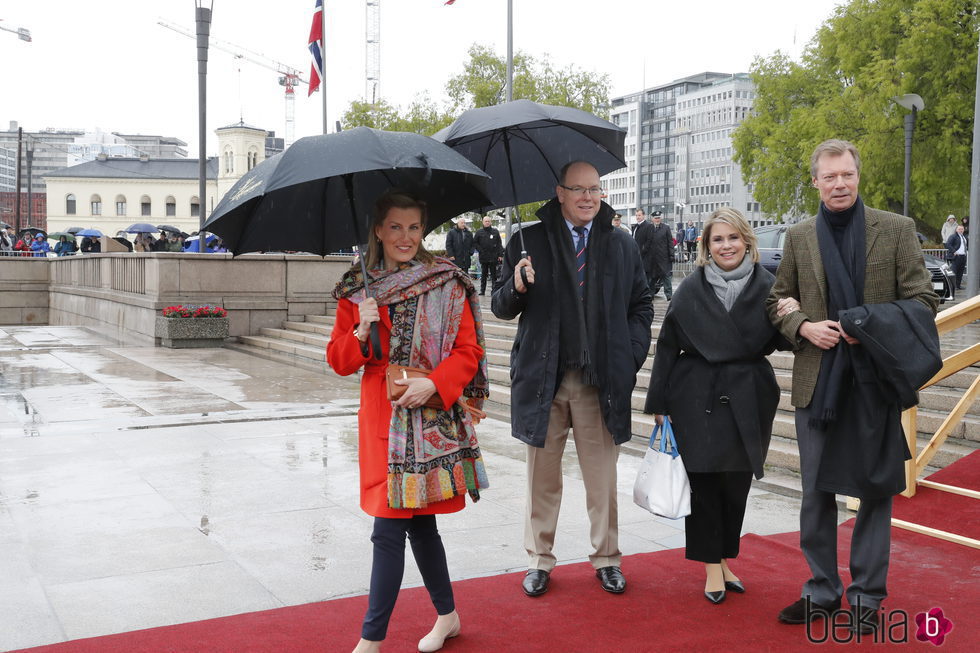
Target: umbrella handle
<point>376,340</point>
<point>527,284</point>
<point>524,277</point>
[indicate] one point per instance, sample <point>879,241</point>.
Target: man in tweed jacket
<point>893,270</point>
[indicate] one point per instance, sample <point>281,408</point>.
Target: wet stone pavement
<point>143,486</point>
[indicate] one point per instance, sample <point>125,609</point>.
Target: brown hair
<point>833,147</point>
<point>734,219</point>
<point>394,199</point>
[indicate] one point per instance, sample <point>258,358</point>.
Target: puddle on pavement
<point>107,366</point>
<point>18,407</point>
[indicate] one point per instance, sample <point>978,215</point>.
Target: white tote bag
<point>661,484</point>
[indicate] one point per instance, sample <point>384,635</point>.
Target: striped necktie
<point>580,257</point>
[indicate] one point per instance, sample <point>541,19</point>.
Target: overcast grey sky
<point>107,64</point>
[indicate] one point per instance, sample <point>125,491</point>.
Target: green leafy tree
<point>483,83</point>
<point>483,80</point>
<point>868,52</point>
<point>422,116</point>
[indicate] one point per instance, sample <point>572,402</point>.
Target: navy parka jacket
<point>625,319</point>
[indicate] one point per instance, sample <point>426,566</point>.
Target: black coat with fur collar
<point>710,374</point>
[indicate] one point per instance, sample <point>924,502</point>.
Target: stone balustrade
<point>120,294</point>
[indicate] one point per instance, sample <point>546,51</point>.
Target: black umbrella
<point>168,228</point>
<point>523,145</point>
<point>74,230</point>
<point>318,195</point>
<point>34,231</point>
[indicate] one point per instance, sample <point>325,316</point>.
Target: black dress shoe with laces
<point>535,582</point>
<point>611,579</point>
<point>805,610</point>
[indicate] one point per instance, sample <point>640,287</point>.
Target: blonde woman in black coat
<point>712,378</point>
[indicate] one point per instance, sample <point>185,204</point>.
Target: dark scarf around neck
<point>844,270</point>
<point>580,321</point>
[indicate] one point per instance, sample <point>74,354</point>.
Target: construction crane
<point>22,33</point>
<point>289,77</point>
<point>372,58</point>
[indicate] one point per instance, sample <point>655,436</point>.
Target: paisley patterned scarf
<point>433,454</point>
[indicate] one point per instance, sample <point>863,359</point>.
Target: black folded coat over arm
<point>866,448</point>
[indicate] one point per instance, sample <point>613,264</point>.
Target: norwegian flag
<point>316,48</point>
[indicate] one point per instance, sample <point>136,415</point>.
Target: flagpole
<point>323,62</point>
<point>510,50</point>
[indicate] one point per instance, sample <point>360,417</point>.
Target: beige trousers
<point>575,406</point>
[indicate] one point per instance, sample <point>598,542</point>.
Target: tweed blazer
<point>895,270</point>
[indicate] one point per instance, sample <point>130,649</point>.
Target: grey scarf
<point>729,285</point>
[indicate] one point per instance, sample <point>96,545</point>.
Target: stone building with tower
<point>111,193</point>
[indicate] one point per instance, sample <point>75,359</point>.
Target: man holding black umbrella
<point>584,331</point>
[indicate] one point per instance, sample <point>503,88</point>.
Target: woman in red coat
<point>415,461</point>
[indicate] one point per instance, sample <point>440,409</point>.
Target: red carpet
<point>946,511</point>
<point>964,473</point>
<point>663,609</point>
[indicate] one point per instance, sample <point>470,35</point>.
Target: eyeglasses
<point>595,191</point>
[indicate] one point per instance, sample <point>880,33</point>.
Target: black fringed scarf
<point>844,270</point>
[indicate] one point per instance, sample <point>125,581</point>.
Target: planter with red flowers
<point>192,326</point>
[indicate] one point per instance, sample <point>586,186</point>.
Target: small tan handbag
<point>395,372</point>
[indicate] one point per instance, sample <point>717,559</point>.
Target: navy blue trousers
<point>388,568</point>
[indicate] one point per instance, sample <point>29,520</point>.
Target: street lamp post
<point>973,259</point>
<point>30,184</point>
<point>914,104</point>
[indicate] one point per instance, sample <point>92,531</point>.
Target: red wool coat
<point>450,377</point>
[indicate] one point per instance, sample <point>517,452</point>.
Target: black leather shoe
<point>864,620</point>
<point>735,586</point>
<point>805,611</point>
<point>535,582</point>
<point>715,597</point>
<point>611,579</point>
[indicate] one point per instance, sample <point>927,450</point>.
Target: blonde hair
<point>734,219</point>
<point>391,200</point>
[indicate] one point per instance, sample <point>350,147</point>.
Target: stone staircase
<point>303,344</point>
